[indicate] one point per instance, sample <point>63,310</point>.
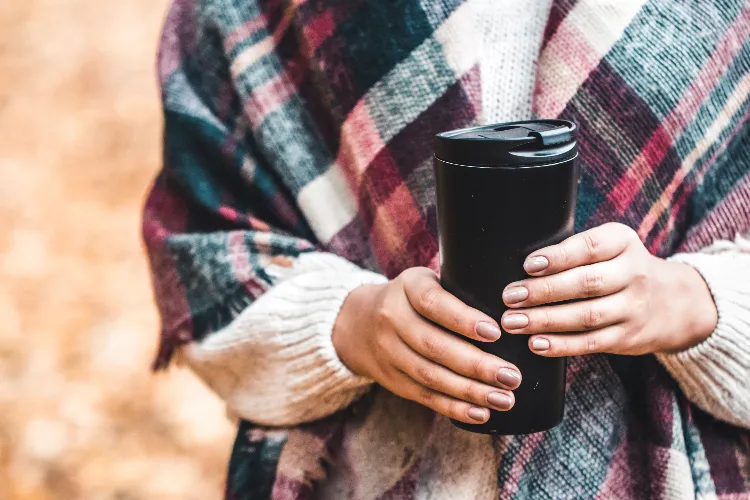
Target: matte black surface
<point>490,219</point>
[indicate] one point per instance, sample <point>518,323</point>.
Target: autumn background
<point>81,415</point>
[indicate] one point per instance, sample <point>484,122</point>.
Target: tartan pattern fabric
<point>300,125</point>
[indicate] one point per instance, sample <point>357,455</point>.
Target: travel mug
<point>503,192</point>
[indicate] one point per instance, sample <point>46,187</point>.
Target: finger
<point>595,280</point>
<point>576,317</point>
<point>438,378</point>
<point>460,356</point>
<point>603,340</point>
<point>595,245</point>
<point>453,408</point>
<point>429,299</point>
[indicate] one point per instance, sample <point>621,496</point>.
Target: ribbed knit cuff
<point>715,374</point>
<point>275,364</point>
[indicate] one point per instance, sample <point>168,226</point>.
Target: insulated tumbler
<point>504,191</point>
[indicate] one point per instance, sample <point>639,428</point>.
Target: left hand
<point>634,303</point>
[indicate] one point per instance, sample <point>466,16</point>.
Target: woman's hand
<point>396,335</point>
<point>635,303</point>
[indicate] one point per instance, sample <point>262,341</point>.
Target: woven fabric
<point>294,126</point>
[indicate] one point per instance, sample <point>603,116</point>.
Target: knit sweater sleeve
<point>275,364</point>
<point>715,374</point>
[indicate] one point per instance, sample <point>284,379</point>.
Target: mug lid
<point>524,143</point>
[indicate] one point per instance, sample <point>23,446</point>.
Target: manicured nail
<point>478,414</point>
<point>515,321</point>
<point>488,330</point>
<point>515,294</point>
<point>535,264</point>
<point>509,378</point>
<point>500,401</point>
<point>540,344</point>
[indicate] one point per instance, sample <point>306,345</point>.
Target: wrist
<point>350,327</point>
<point>699,313</point>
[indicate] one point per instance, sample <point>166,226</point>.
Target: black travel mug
<point>503,192</point>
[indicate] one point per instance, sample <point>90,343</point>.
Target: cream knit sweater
<point>275,363</point>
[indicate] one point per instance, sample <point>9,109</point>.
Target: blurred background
<point>81,415</point>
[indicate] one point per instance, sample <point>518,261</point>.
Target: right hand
<point>395,334</point>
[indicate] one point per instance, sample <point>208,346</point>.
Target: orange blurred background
<point>81,415</point>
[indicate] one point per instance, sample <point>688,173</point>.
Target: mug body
<point>490,218</point>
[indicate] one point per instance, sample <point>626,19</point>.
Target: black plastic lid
<point>533,142</point>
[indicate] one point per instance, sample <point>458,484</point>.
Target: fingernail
<point>478,414</point>
<point>540,344</point>
<point>535,264</point>
<point>488,330</point>
<point>515,294</point>
<point>509,378</point>
<point>500,400</point>
<point>515,321</point>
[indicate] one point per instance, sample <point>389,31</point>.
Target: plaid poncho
<point>297,125</point>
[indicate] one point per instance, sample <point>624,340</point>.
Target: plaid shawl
<point>296,125</point>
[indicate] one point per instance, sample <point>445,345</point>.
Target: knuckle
<point>627,346</point>
<point>615,226</point>
<point>428,297</point>
<point>564,348</point>
<point>638,322</point>
<point>459,317</point>
<point>592,283</point>
<point>427,376</point>
<point>472,392</point>
<point>640,276</point>
<point>626,231</point>
<point>384,314</point>
<point>414,272</point>
<point>593,243</point>
<point>591,344</point>
<point>547,289</point>
<point>591,317</point>
<point>405,274</point>
<point>434,347</point>
<point>477,369</point>
<point>455,410</point>
<point>405,280</point>
<point>638,286</point>
<point>380,344</point>
<point>545,320</point>
<point>426,396</point>
<point>625,339</point>
<point>629,300</point>
<point>424,272</point>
